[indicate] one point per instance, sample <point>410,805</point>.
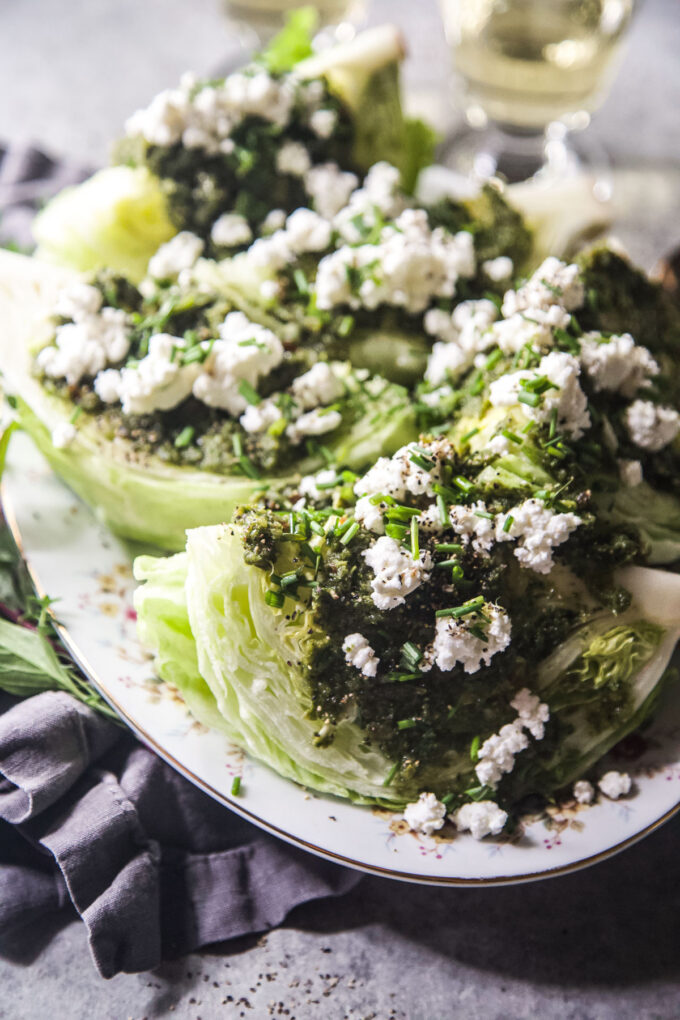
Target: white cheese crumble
<point>617,364</point>
<point>426,815</point>
<point>307,231</point>
<point>497,753</point>
<point>396,476</point>
<point>63,435</point>
<point>177,254</point>
<point>309,483</point>
<point>498,269</point>
<point>462,335</point>
<point>397,574</point>
<point>566,397</point>
<point>650,426</point>
<point>615,784</point>
<point>86,346</point>
<point>583,792</point>
<point>245,352</point>
<point>553,283</point>
<point>471,525</point>
<point>258,417</point>
<point>231,230</point>
<point>320,385</point>
<point>158,382</point>
<point>292,158</point>
<point>273,221</point>
<point>359,653</point>
<point>313,423</point>
<point>322,123</point>
<point>537,531</point>
<point>370,515</point>
<point>483,818</point>
<point>630,472</point>
<point>532,713</point>
<point>329,188</point>
<point>78,301</point>
<point>271,253</point>
<point>453,642</point>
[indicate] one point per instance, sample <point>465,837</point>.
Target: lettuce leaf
<point>293,43</point>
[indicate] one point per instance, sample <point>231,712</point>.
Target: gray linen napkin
<point>92,820</point>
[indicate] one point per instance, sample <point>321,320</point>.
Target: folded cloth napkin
<point>154,867</point>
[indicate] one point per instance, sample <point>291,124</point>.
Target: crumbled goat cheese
<point>453,642</point>
<point>320,385</point>
<point>583,792</point>
<point>258,417</point>
<point>497,753</point>
<point>204,115</point>
<point>271,253</point>
<point>463,334</point>
<point>329,188</point>
<point>481,819</point>
<point>471,526</point>
<point>566,397</point>
<point>380,196</point>
<point>63,435</point>
<point>532,713</point>
<point>498,269</point>
<point>630,472</point>
<point>615,784</point>
<point>86,346</point>
<point>314,423</point>
<point>617,364</point>
<point>396,476</point>
<point>409,267</point>
<point>157,383</point>
<point>359,653</point>
<point>650,426</point>
<point>430,521</point>
<point>426,815</point>
<point>553,283</point>
<point>397,574</point>
<point>309,483</point>
<point>231,230</point>
<point>498,445</point>
<point>307,231</point>
<point>273,221</point>
<point>322,123</point>
<point>78,301</point>
<point>370,515</point>
<point>292,158</point>
<point>537,531</point>
<point>245,352</point>
<point>177,254</point>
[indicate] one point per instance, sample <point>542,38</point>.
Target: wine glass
<point>257,21</point>
<point>530,73</point>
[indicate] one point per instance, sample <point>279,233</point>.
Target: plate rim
<point>8,513</point>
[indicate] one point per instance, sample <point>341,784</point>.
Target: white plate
<point>74,559</point>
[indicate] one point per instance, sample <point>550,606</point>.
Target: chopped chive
<point>402,513</point>
<point>446,564</point>
<point>478,632</point>
<point>76,415</point>
<point>316,528</point>
<point>553,423</point>
<point>411,653</point>
<point>421,462</point>
<point>448,799</point>
<point>464,484</point>
<point>451,712</point>
<point>415,544</point>
<point>345,326</point>
<point>349,534</point>
<point>448,547</point>
<point>396,531</point>
<point>493,359</point>
<point>526,397</point>
<point>185,437</point>
<point>469,435</point>
<point>274,598</point>
<point>512,436</point>
<point>457,572</point>
<point>301,282</point>
<point>457,611</point>
<point>406,724</point>
<point>381,497</point>
<point>508,523</point>
<point>248,467</point>
<point>290,578</point>
<point>474,748</point>
<point>237,445</point>
<point>443,514</point>
<point>476,384</point>
<point>485,514</point>
<point>391,774</point>
<point>249,393</point>
<point>555,452</point>
<point>321,486</point>
<point>236,786</point>
<point>400,678</point>
<point>530,425</point>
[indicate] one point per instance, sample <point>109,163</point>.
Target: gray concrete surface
<point>599,945</point>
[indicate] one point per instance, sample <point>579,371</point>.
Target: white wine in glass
<point>524,64</point>
<point>259,20</point>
